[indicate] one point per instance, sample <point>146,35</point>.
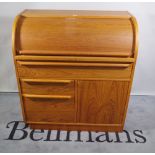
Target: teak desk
<point>75,68</point>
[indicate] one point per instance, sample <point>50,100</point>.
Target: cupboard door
<point>102,102</point>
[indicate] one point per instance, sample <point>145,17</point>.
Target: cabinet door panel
<point>102,102</point>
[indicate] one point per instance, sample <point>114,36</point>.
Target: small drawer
<point>47,86</point>
<point>49,108</point>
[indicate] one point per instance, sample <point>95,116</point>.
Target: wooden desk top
<point>76,13</point>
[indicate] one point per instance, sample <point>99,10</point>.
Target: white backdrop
<point>144,79</point>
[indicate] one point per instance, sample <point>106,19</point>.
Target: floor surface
<point>138,135</point>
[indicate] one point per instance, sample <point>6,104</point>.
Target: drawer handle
<point>46,96</point>
<point>75,59</point>
<point>46,81</point>
<point>70,53</point>
<point>73,64</point>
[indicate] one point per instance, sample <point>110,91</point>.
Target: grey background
<point>144,80</point>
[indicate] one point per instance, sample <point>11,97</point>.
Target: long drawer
<point>64,70</point>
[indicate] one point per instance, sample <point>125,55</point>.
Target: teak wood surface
<point>75,68</point>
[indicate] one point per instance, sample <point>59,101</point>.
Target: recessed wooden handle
<point>75,59</point>
<point>73,64</point>
<point>71,53</point>
<point>46,81</point>
<point>46,96</point>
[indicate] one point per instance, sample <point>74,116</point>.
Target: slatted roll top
<point>75,33</point>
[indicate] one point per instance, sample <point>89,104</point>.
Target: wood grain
<point>49,110</point>
<point>75,68</point>
<point>51,116</point>
<point>75,36</point>
<point>117,65</point>
<point>34,96</point>
<point>74,59</point>
<point>14,31</point>
<point>70,53</point>
<point>50,104</point>
<point>135,50</point>
<point>102,102</point>
<point>70,72</point>
<point>47,81</point>
<point>47,87</point>
<point>76,13</point>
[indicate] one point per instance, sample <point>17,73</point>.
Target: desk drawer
<point>49,108</point>
<point>47,86</point>
<point>73,70</point>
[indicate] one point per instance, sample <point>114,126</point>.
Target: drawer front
<point>45,109</point>
<point>73,70</point>
<point>54,117</point>
<point>47,86</point>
